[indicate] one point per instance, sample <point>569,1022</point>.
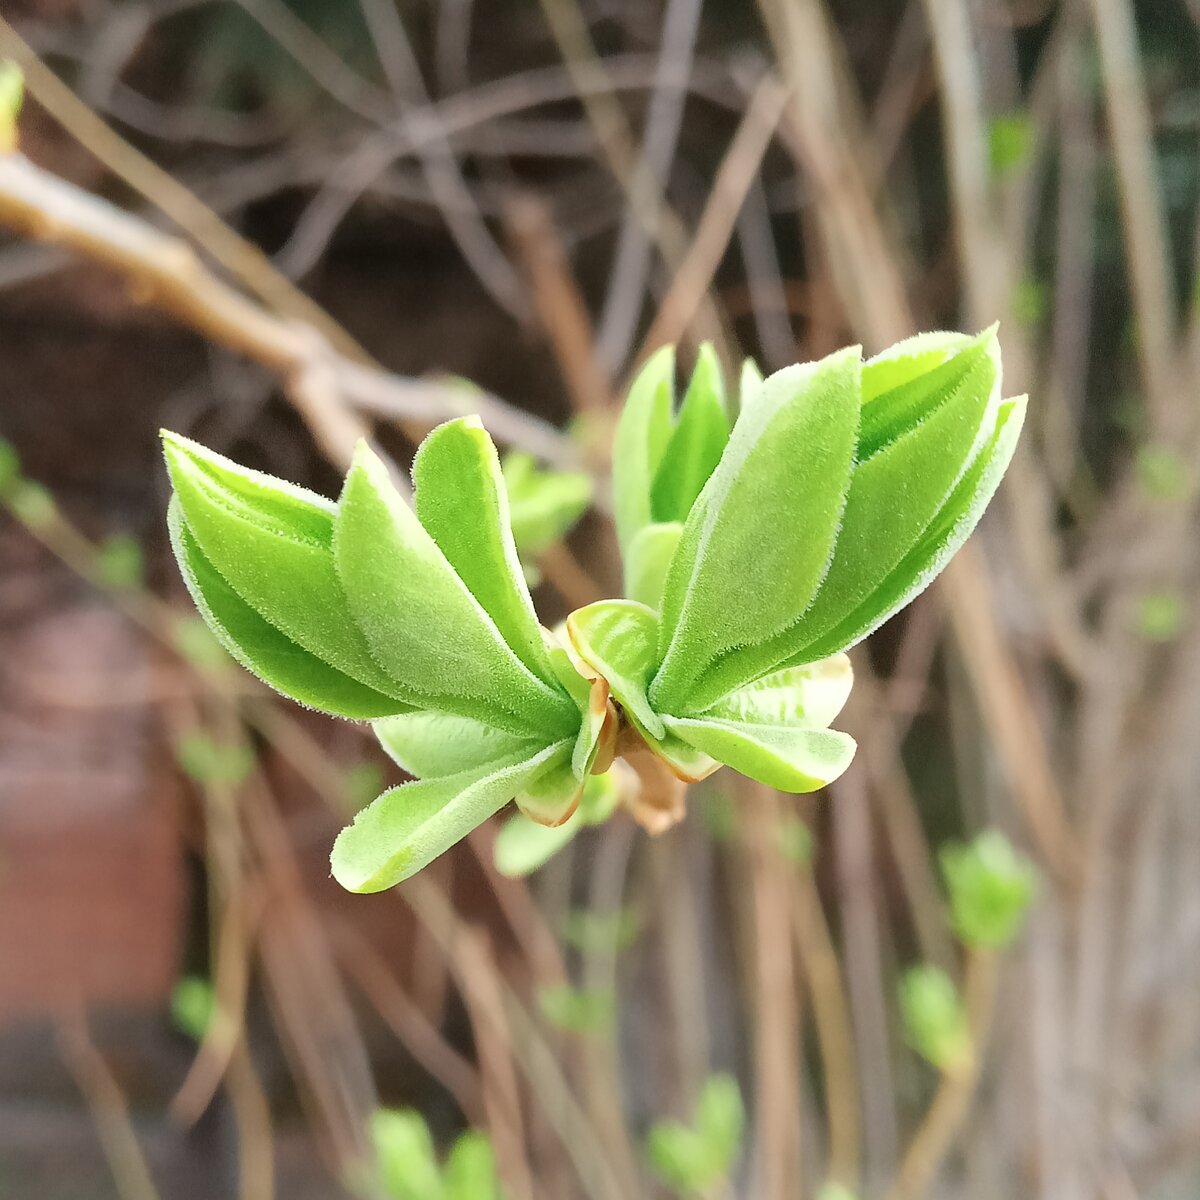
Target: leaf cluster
<point>756,552</point>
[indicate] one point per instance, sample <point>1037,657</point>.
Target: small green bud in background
<point>1160,616</point>
<point>361,784</point>
<point>602,931</point>
<point>12,96</point>
<point>575,1009</point>
<point>1010,138</point>
<point>10,468</point>
<point>192,1005</point>
<point>408,1168</point>
<point>194,641</point>
<point>1162,473</point>
<point>471,1169</point>
<point>795,841</point>
<point>119,564</point>
<point>935,1022</point>
<point>32,504</point>
<point>1030,302</point>
<point>694,1159</point>
<point>835,1191</point>
<point>990,887</point>
<point>207,761</point>
<point>543,506</point>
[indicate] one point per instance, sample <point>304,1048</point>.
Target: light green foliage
<point>602,931</point>
<point>523,844</point>
<point>192,1004</point>
<point>990,887</point>
<point>195,642</point>
<point>542,505</point>
<point>694,1158</point>
<point>753,559</point>
<point>119,564</point>
<point>209,761</point>
<point>10,468</point>
<point>408,1166</point>
<point>1162,473</point>
<point>31,504</point>
<point>575,1009</point>
<point>935,1022</point>
<point>1161,615</point>
<point>835,1191</point>
<point>1010,138</point>
<point>795,841</point>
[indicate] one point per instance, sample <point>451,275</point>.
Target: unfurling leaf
<point>990,886</point>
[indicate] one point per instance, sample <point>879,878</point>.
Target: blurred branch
<point>109,1110</point>
<point>166,273</point>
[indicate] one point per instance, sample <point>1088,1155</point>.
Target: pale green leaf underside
<point>260,647</point>
<point>431,744</point>
<point>422,622</point>
<point>758,541</point>
<point>553,796</point>
<point>523,845</point>
<point>462,503</point>
<point>271,544</point>
<point>804,697</point>
<point>783,757</point>
<point>407,827</point>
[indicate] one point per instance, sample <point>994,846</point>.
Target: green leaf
<point>966,380</point>
<point>619,638</point>
<point>642,434</point>
<point>407,827</point>
<point>119,563</point>
<point>523,845</point>
<point>543,505</point>
<point>576,1009</point>
<point>1010,137</point>
<point>430,745</point>
<point>10,468</point>
<point>471,1169</point>
<point>408,1167</point>
<point>461,501</point>
<point>790,759</point>
<point>260,647</point>
<point>763,528</point>
<point>990,887</point>
<point>808,696</point>
<point>553,797</point>
<point>647,561</point>
<point>935,1022</point>
<point>421,621</point>
<point>940,542</point>
<point>696,442</point>
<point>209,761</point>
<point>898,493</point>
<point>193,1003</point>
<point>720,1120</point>
<point>272,544</point>
<point>749,382</point>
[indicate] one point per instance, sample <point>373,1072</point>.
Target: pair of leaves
<point>409,1169</point>
<point>695,1158</point>
<point>844,489</point>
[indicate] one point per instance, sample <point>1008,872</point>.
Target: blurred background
<point>278,225</point>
